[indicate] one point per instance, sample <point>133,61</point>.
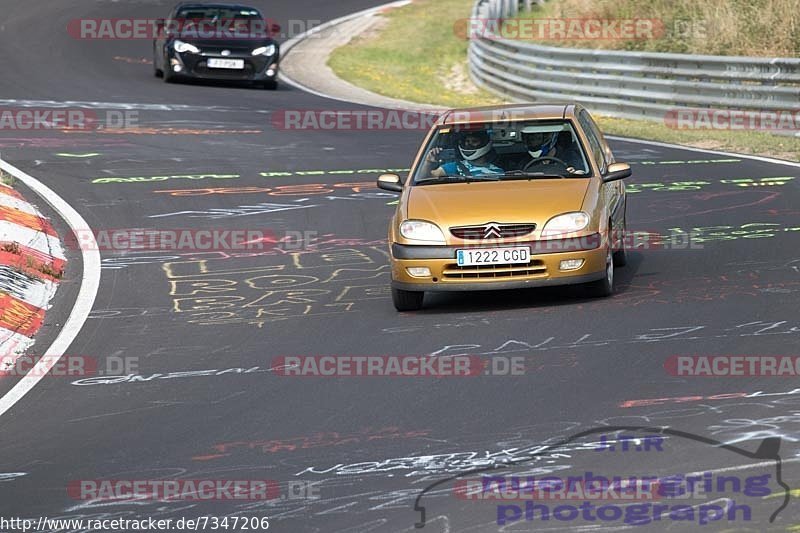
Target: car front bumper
<point>256,68</point>
<point>543,269</point>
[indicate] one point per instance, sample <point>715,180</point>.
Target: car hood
<point>504,202</point>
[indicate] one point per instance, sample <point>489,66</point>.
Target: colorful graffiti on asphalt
<point>260,290</point>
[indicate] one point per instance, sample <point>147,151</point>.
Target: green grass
<point>414,55</point>
<point>761,28</point>
<point>6,179</point>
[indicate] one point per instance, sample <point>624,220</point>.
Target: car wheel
<point>407,300</point>
<point>168,76</point>
<point>605,286</point>
<point>157,72</point>
<point>621,255</point>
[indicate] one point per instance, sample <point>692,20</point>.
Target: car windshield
<point>531,149</point>
<point>219,22</point>
<point>216,13</point>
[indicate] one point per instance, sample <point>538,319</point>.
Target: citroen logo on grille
<point>226,52</point>
<point>492,231</point>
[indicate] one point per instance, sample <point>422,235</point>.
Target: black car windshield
<point>219,22</point>
<point>216,13</point>
<point>529,149</point>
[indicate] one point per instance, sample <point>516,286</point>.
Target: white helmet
<point>471,154</point>
<point>538,142</point>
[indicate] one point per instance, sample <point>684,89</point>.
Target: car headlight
<point>420,230</point>
<point>566,223</point>
<point>265,50</point>
<point>182,47</point>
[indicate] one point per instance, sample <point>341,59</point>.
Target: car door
<point>613,193</point>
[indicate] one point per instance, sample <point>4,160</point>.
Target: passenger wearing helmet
<point>546,147</point>
<point>475,148</point>
<point>540,143</point>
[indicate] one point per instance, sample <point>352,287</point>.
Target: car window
<point>594,136</point>
<point>503,150</point>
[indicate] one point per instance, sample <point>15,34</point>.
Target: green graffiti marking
<point>701,234</point>
<point>165,178</point>
<point>633,188</point>
<point>284,174</point>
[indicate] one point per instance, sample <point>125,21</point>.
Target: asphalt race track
<point>372,445</point>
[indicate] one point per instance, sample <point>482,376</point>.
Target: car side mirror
<point>390,182</point>
<point>617,171</point>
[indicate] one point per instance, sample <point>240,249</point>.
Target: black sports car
<point>219,42</point>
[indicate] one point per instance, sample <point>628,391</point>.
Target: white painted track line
<point>705,151</point>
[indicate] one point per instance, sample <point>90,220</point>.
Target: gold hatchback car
<point>508,197</point>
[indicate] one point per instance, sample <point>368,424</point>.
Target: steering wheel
<point>462,169</point>
<point>540,159</point>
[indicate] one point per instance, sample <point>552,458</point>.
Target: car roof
<point>472,115</point>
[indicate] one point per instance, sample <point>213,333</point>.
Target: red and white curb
<point>32,262</point>
<point>84,301</point>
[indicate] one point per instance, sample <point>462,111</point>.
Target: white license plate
<point>493,256</point>
<point>226,63</point>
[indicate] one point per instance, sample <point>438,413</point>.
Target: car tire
<point>621,255</point>
<point>605,286</point>
<point>168,76</point>
<point>407,300</point>
<point>157,72</point>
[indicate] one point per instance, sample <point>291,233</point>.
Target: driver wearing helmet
<point>544,148</point>
<point>475,148</point>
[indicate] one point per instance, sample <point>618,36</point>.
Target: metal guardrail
<point>626,84</point>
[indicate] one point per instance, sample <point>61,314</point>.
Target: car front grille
<point>534,268</point>
<point>492,231</point>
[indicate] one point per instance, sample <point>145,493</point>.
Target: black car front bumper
<point>256,68</point>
